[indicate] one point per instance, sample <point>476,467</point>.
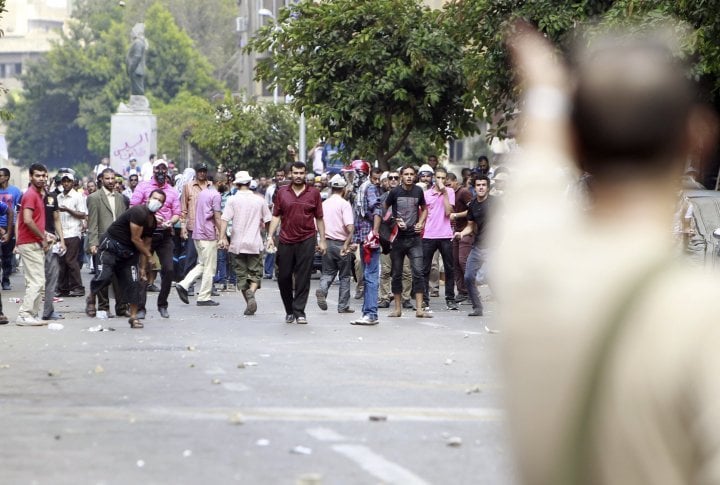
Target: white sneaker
<point>365,320</point>
<point>29,322</point>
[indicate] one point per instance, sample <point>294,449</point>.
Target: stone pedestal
<point>133,133</point>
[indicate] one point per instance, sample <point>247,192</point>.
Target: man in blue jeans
<point>477,216</point>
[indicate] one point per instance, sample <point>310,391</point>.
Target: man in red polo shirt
<point>299,207</point>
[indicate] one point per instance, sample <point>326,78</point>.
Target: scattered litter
<point>262,442</point>
<point>377,417</point>
<point>265,355</point>
<point>473,390</point>
<point>491,330</point>
<point>53,373</point>
<point>190,348</point>
<point>448,361</point>
<point>241,365</point>
<point>467,335</point>
<point>187,453</point>
<point>310,479</point>
<point>140,463</point>
<point>236,418</point>
<point>301,450</point>
<point>360,339</point>
<point>58,437</point>
<point>248,364</point>
<point>55,326</point>
<point>5,366</point>
<point>99,369</point>
<point>15,300</point>
<point>454,441</point>
<point>216,381</point>
<point>101,315</point>
<point>100,328</point>
<point>191,365</point>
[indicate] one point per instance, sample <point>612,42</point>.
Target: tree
<point>371,71</point>
<point>482,25</point>
<point>251,137</point>
<point>63,115</point>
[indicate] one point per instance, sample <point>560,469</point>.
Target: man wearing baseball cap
<point>337,261</point>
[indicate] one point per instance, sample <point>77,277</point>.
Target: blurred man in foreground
<point>612,377</point>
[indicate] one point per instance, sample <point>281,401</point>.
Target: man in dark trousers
<point>104,207</point>
<point>299,207</point>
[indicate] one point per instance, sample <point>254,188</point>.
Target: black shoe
<point>153,288</point>
<point>475,313</point>
<point>383,304</point>
<point>346,310</point>
<point>182,293</point>
<point>92,271</point>
<point>141,314</point>
<point>54,316</point>
<point>61,293</point>
<point>451,305</point>
<point>321,299</point>
<point>251,303</point>
<point>407,304</point>
<point>163,312</point>
<point>207,303</point>
<point>289,318</point>
<point>461,298</point>
<point>359,295</point>
<point>6,286</point>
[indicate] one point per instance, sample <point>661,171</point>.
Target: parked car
<point>702,226</point>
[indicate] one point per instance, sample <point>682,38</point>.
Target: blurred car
<point>699,220</point>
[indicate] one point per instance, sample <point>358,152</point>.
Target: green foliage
<point>70,95</point>
<point>241,136</point>
<point>483,25</point>
<point>178,119</point>
<point>371,72</point>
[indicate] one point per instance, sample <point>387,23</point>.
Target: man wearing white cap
<point>73,211</point>
<point>248,214</point>
<point>337,261</point>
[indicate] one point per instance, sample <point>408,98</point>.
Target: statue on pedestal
<point>135,63</point>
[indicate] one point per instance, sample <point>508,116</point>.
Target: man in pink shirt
<point>204,234</point>
<point>438,236</point>
<point>338,217</point>
<point>249,215</point>
<point>162,243</point>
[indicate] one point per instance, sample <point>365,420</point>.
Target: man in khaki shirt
<point>188,200</point>
<point>562,274</point>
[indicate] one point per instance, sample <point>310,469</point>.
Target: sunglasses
<point>394,177</point>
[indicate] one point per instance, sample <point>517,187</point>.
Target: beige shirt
<point>558,276</point>
<point>71,225</point>
<point>111,201</point>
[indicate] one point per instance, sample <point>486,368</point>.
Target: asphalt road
<point>211,396</point>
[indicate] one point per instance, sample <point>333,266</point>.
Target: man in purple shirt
<point>162,243</point>
<point>299,206</point>
<point>205,237</point>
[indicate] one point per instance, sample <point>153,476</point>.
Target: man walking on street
<point>162,242</point>
<point>248,214</point>
<point>367,227</point>
<point>337,261</point>
<point>104,207</point>
<point>461,247</point>
<point>32,245</point>
<point>385,295</point>
<point>299,207</point>
<point>54,234</point>
<point>73,213</point>
<point>188,202</point>
<point>10,195</point>
<point>205,231</point>
<point>409,210</point>
<point>438,236</point>
<point>477,217</point>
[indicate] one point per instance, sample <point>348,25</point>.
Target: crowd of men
<point>396,232</point>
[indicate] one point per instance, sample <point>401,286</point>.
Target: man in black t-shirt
<point>124,251</point>
<point>477,216</point>
<point>54,234</point>
<point>409,211</point>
